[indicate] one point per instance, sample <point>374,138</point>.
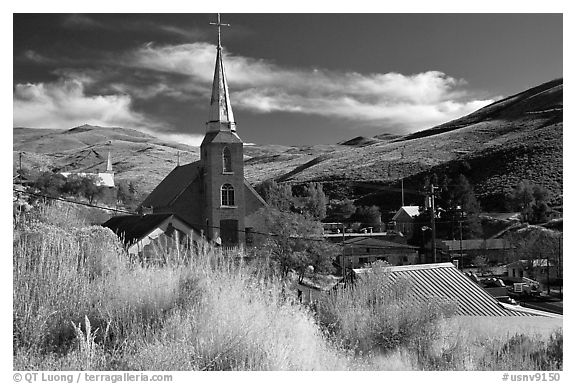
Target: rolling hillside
<point>519,137</point>
<point>495,147</point>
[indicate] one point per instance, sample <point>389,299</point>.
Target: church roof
<point>221,137</point>
<point>172,186</point>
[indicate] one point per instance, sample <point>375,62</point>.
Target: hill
<point>136,156</point>
<point>519,137</point>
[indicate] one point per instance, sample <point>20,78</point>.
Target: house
<point>359,251</point>
<point>443,282</point>
<point>403,220</point>
<point>541,270</point>
<point>312,287</point>
<point>496,251</point>
<point>212,194</point>
<point>152,237</point>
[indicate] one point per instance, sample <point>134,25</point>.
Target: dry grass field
<point>81,304</point>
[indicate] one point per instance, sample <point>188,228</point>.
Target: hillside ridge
<point>517,137</point>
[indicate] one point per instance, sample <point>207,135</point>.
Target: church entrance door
<point>229,232</point>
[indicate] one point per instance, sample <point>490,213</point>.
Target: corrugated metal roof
<point>445,281</point>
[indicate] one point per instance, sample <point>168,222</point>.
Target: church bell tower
<point>222,162</point>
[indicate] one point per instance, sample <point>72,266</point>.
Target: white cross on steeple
<point>219,24</point>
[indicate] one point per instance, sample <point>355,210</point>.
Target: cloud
<point>410,102</point>
<point>104,94</point>
<point>64,104</point>
<point>36,57</point>
<point>79,22</point>
<point>193,140</point>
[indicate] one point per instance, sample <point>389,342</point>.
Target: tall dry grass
<point>81,303</point>
<point>374,316</point>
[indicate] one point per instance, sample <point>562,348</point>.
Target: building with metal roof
<point>149,236</point>
<point>359,251</point>
<point>444,281</point>
<point>403,220</point>
<point>496,251</point>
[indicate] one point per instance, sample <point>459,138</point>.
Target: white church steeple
<point>109,164</point>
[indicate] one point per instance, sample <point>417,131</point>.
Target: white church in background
<point>103,179</point>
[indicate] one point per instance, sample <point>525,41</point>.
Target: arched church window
<point>226,160</point>
<point>227,195</point>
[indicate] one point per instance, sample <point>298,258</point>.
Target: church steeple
<point>222,162</point>
<point>109,164</point>
<point>221,115</point>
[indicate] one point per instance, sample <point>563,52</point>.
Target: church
<point>210,196</point>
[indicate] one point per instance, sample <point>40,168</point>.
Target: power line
<point>201,225</point>
<point>135,213</point>
<point>74,202</point>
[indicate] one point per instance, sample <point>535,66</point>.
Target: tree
<point>74,185</point>
<point>531,200</point>
<point>295,242</point>
<point>368,216</point>
<point>50,183</point>
<point>314,201</point>
<point>482,263</point>
<point>522,198</point>
<point>533,243</point>
<point>342,210</point>
<point>90,189</point>
<point>464,207</point>
<point>124,193</point>
<point>276,195</point>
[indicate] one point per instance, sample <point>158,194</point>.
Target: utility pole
<point>344,253</point>
<point>559,273</point>
<point>461,255</point>
<point>433,221</point>
<point>20,167</point>
<point>402,181</point>
<point>547,270</point>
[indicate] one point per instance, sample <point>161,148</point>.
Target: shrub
<point>374,316</point>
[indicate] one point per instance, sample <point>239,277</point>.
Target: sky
<point>294,79</point>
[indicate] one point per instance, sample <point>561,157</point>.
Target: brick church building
<point>211,195</point>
